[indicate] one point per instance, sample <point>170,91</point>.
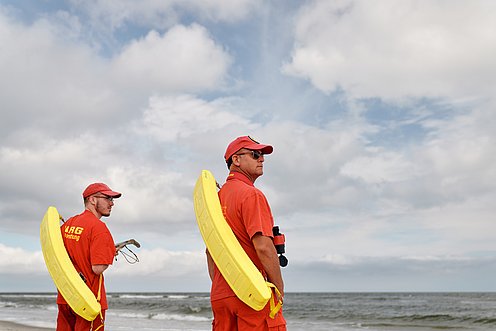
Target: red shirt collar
<point>238,175</point>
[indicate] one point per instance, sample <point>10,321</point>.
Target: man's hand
<point>268,256</point>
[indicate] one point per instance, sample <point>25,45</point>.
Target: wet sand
<point>9,326</point>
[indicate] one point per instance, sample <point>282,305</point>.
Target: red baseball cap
<point>248,143</point>
<point>100,188</point>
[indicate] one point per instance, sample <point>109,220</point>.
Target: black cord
<point>130,256</point>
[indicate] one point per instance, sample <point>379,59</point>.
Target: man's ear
<point>92,200</point>
<point>235,160</point>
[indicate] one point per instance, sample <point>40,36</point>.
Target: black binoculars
<point>279,241</point>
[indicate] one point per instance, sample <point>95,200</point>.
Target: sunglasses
<point>254,154</point>
<point>105,197</point>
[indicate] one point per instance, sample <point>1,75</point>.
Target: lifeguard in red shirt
<point>248,214</point>
<point>91,248</point>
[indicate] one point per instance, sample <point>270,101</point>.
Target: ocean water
<point>303,311</point>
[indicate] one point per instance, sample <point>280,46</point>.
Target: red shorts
<point>231,314</point>
<point>68,320</point>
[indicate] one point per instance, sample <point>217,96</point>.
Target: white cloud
<point>157,263</point>
<point>43,165</point>
<point>230,11</point>
<point>49,79</point>
<point>53,79</point>
<point>169,118</point>
<point>15,260</point>
<point>384,167</point>
<point>161,14</point>
<point>151,195</point>
<point>407,273</point>
<point>392,49</point>
<point>161,263</point>
<point>36,174</point>
<point>464,148</point>
<point>184,58</point>
<point>311,158</point>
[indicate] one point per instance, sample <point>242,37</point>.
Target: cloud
<point>35,174</point>
<point>15,260</point>
<point>219,10</point>
<point>427,273</point>
<point>390,50</point>
<point>330,272</point>
<point>151,198</point>
<point>311,157</point>
<point>461,148</point>
<point>169,118</point>
<point>184,58</point>
<point>161,14</point>
<point>159,262</point>
<point>41,82</point>
<point>385,167</point>
<point>55,79</point>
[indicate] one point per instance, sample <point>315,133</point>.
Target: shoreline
<point>12,326</point>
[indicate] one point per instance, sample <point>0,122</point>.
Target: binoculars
<point>279,243</point>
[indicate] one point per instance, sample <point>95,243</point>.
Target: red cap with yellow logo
<point>248,143</point>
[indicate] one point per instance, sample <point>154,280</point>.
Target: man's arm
<point>210,265</point>
<point>99,268</point>
<point>267,254</point>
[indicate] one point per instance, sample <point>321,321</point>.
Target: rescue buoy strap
<point>274,308</point>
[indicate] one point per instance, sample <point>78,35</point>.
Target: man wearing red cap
<point>91,249</point>
<point>248,214</point>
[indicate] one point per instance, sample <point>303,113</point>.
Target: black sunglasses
<point>254,154</point>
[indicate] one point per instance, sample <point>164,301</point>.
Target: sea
<point>303,311</point>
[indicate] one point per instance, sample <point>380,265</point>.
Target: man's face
<point>250,162</point>
<point>103,204</point>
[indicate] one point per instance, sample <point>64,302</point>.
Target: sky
<point>381,115</point>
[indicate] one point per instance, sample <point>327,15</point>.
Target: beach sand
<point>9,326</point>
